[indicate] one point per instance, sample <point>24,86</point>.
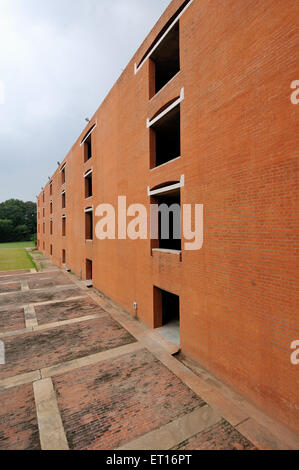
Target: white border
<point>149,122</point>
<point>89,172</point>
<point>89,133</point>
<point>166,189</point>
<point>88,209</point>
<point>136,69</point>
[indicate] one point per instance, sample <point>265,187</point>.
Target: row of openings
<point>88,193</point>
<point>88,226</point>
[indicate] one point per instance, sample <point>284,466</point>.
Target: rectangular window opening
<point>168,221</point>
<point>89,225</point>
<point>51,227</point>
<point>167,314</point>
<point>165,60</point>
<point>63,176</point>
<point>51,189</point>
<point>63,201</point>
<point>87,149</point>
<point>88,270</point>
<point>165,138</point>
<point>51,250</point>
<point>63,257</point>
<point>88,186</point>
<point>64,227</point>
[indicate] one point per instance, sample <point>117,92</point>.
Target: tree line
<point>17,221</point>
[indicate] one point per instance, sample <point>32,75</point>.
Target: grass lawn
<point>13,256</point>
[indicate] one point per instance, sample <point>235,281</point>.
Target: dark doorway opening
<point>88,270</point>
<point>167,314</point>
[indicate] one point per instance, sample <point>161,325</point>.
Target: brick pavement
<point>109,383</point>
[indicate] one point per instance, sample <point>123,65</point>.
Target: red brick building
<point>203,105</point>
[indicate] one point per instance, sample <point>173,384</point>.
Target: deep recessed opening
<point>87,149</point>
<point>89,225</point>
<point>63,257</point>
<point>51,250</point>
<point>51,189</point>
<point>167,314</point>
<point>88,270</point>
<point>165,138</point>
<point>63,176</point>
<point>63,226</point>
<point>63,201</point>
<point>44,227</point>
<point>88,186</point>
<point>51,227</point>
<point>51,207</point>
<point>165,60</point>
<point>166,218</point>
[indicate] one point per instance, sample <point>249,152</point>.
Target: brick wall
<point>237,294</point>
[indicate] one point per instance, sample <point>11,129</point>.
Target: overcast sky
<point>58,61</point>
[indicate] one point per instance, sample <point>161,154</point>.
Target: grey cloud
<point>58,60</point>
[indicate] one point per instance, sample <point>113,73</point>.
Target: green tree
<point>6,230</point>
<point>22,220</point>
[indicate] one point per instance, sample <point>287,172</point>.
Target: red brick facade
<point>238,157</point>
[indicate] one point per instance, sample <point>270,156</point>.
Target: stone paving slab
<point>18,420</point>
<point>221,436</point>
<point>12,319</point>
<point>36,350</point>
<point>66,310</point>
<point>108,404</point>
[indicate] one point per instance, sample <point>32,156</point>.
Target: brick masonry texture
<point>12,319</point>
<point>58,280</point>
<point>239,149</point>
<point>32,351</point>
<point>222,436</point>
<point>66,310</point>
<point>106,405</point>
<point>11,287</point>
<point>18,276</point>
<point>22,298</point>
<point>19,429</point>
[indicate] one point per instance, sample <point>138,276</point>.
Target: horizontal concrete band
<point>172,434</point>
<point>48,302</point>
<point>33,327</point>
<point>64,367</point>
<point>42,289</point>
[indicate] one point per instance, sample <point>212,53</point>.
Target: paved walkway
<point>80,373</point>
